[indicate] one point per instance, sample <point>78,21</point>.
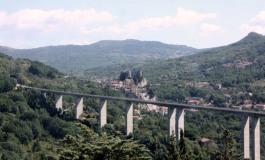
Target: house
<point>197,98</point>
<point>205,142</point>
<point>190,111</point>
<point>193,102</point>
<point>137,117</point>
<point>260,106</point>
<point>218,86</point>
<point>162,110</point>
<point>137,111</point>
<point>246,106</point>
<point>228,96</point>
<point>202,84</point>
<point>247,101</point>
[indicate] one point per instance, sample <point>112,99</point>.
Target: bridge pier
<point>180,122</point>
<point>129,118</point>
<point>58,101</point>
<point>256,138</point>
<point>171,116</point>
<point>79,107</point>
<point>175,119</point>
<point>245,138</point>
<point>103,112</point>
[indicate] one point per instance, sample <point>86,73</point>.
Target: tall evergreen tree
<point>227,148</point>
<point>173,148</point>
<point>184,150</point>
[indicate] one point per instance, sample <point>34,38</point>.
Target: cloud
<point>52,20</point>
<point>208,29</point>
<point>37,26</point>
<point>255,24</point>
<point>182,18</point>
<point>2,18</point>
<point>185,16</point>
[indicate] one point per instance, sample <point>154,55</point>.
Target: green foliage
<point>57,127</point>
<point>227,150</point>
<point>173,149</point>
<point>92,146</point>
<point>28,132</point>
<point>30,123</point>
<point>6,83</point>
<point>43,70</point>
<point>4,56</point>
<point>73,59</point>
<point>10,150</point>
<point>21,130</point>
<point>184,151</point>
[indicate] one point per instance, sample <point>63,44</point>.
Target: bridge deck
<point>159,103</point>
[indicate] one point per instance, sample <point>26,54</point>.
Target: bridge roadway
<point>175,116</point>
<point>158,103</point>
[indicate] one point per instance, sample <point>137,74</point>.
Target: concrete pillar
<point>103,112</point>
<point>180,122</point>
<point>129,118</point>
<point>256,138</point>
<point>79,107</point>
<point>58,101</point>
<point>245,137</point>
<point>171,116</point>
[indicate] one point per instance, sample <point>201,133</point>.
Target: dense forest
<point>31,127</point>
<point>223,76</point>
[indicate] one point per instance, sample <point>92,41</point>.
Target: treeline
<point>38,126</point>
<point>234,73</point>
<point>27,126</point>
<point>6,83</point>
<point>43,70</point>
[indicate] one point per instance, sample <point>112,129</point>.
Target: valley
<point>230,76</point>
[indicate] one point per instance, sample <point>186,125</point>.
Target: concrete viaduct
<point>175,116</point>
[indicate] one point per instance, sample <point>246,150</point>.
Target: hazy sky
<point>196,23</point>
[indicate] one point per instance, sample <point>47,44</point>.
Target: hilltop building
<point>134,85</point>
<point>205,142</point>
<point>133,78</point>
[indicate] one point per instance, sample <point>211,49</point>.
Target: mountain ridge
<point>102,53</point>
<point>249,49</point>
<point>77,58</point>
<point>249,39</point>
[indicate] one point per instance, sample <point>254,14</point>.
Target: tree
<point>184,150</point>
<point>227,148</point>
<point>6,83</point>
<point>173,148</point>
<point>92,146</point>
<point>179,150</point>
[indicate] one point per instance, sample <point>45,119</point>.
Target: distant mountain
<point>248,48</point>
<point>242,61</point>
<point>5,49</point>
<point>250,39</point>
<point>75,58</point>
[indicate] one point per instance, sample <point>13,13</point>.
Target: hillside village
<point>134,85</point>
<point>223,91</point>
<point>147,80</point>
<point>228,84</point>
